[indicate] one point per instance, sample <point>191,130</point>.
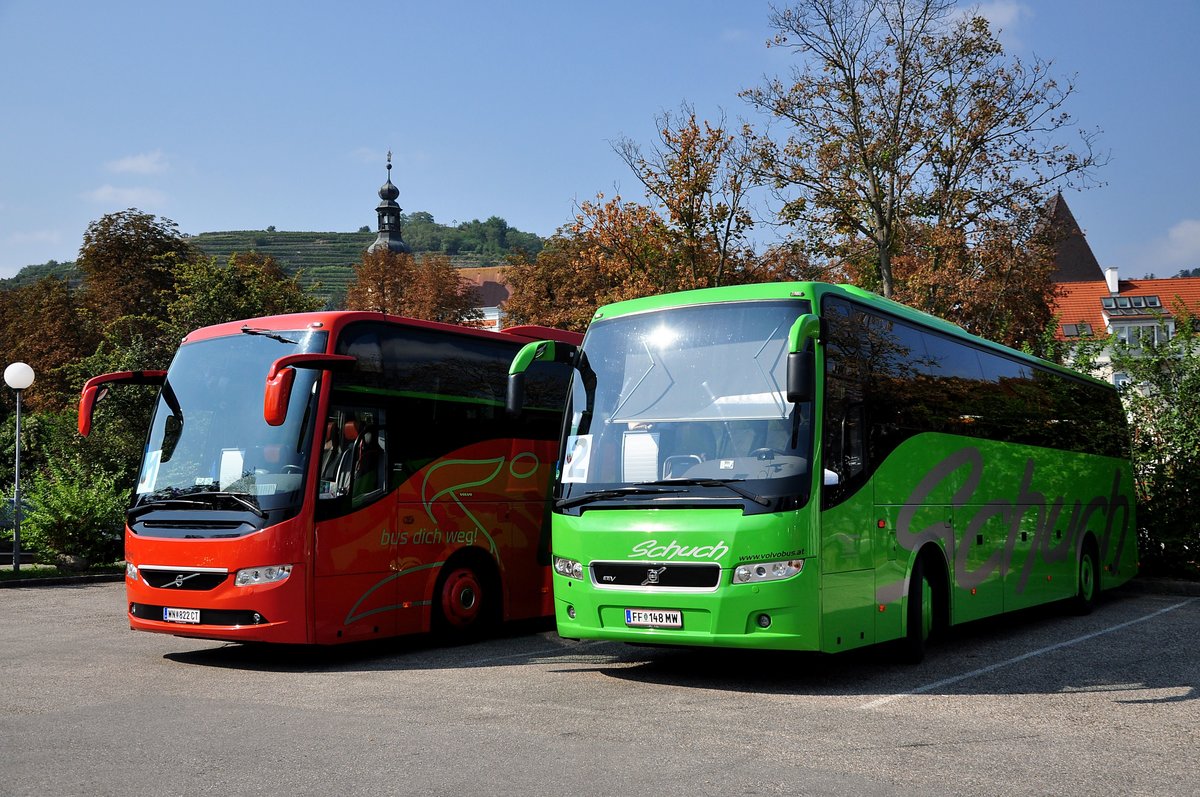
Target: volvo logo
<point>179,579</point>
<point>653,574</point>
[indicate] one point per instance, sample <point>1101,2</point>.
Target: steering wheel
<point>292,469</point>
<point>765,453</point>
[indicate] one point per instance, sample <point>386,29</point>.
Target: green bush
<point>77,515</point>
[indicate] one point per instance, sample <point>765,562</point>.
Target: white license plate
<point>654,618</point>
<point>181,615</point>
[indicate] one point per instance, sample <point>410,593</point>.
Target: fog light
<point>764,621</point>
<point>571,612</point>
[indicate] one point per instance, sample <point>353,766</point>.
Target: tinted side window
<point>844,422</point>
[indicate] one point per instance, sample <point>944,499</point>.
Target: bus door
<point>355,575</point>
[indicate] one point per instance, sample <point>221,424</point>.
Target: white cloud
<point>35,237</point>
<point>139,197</point>
<point>1181,247</point>
<point>144,163</point>
<point>367,155</point>
<point>1004,16</point>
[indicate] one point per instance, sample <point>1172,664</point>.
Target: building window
<point>1079,330</point>
<point>1137,335</point>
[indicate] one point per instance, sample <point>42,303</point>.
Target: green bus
<point>806,466</point>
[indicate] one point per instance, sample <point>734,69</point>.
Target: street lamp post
<point>18,376</point>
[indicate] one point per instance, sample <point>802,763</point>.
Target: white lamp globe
<point>18,376</point>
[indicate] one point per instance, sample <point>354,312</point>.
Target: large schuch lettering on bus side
<point>1027,499</point>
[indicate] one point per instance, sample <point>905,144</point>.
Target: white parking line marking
<point>983,670</point>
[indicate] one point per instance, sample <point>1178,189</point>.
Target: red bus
<point>321,478</point>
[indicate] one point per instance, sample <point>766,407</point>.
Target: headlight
<point>568,567</point>
<point>270,574</point>
<point>767,571</point>
<point>131,571</point>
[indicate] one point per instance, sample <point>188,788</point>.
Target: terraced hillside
<point>326,259</point>
<point>31,274</point>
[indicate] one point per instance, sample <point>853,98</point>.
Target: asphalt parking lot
<point>1030,704</point>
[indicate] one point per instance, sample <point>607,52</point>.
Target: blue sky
<point>239,115</point>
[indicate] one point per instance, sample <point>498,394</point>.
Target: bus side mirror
<point>277,395</point>
<point>96,388</point>
<point>544,350</point>
<point>801,361</point>
<point>172,429</point>
<point>278,392</point>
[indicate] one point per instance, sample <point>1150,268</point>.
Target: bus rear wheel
<point>920,616</point>
<point>1088,592</point>
<point>464,604</point>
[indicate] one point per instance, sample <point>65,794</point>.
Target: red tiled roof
<point>493,290</point>
<point>1079,302</point>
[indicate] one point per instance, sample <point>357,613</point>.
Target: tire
<point>920,619</point>
<point>1087,593</point>
<point>465,604</point>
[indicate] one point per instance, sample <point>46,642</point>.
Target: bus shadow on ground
<point>415,652</point>
<point>1017,653</point>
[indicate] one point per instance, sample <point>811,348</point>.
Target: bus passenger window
<point>354,457</point>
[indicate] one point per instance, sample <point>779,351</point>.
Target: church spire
<point>388,236</point>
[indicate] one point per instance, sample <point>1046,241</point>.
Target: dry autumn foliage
<point>399,284</point>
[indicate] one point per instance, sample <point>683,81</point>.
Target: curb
<point>1162,586</point>
<point>60,581</point>
<point>1151,586</point>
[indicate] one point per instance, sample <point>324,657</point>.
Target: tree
<point>902,116</point>
<point>127,260</point>
<point>551,288</point>
<point>380,281</point>
<point>439,293</point>
<point>43,325</point>
<point>998,286</point>
<point>1162,398</point>
<point>396,283</point>
<point>250,285</point>
<point>700,176</point>
<point>617,250</point>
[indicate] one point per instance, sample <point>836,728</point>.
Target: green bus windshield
<point>691,399</point>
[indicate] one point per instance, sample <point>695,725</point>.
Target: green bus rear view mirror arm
<point>802,339</point>
<point>543,350</point>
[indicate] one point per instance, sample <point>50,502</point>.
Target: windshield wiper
<point>616,492</point>
<point>758,499</point>
<point>162,503</point>
<point>266,333</point>
<point>239,498</point>
<point>191,500</point>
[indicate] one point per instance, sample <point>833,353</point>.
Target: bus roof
<point>335,320</point>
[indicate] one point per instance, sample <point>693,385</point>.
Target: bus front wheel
<point>464,603</point>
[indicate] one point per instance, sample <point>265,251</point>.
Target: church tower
<point>389,237</point>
